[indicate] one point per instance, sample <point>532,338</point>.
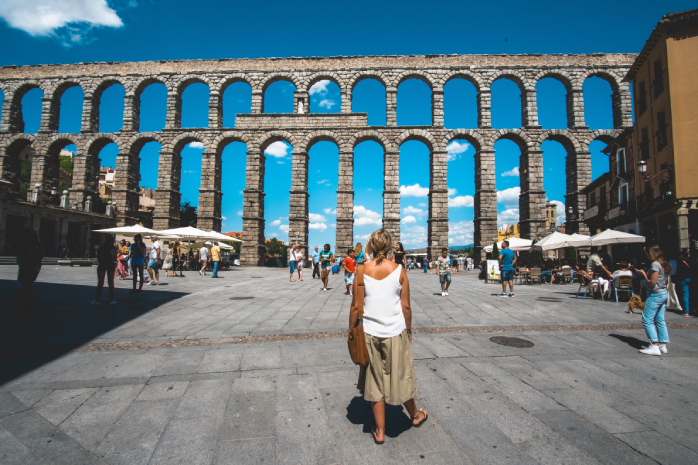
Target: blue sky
<point>94,30</point>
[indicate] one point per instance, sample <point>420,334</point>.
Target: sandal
<point>426,415</point>
<point>373,433</point>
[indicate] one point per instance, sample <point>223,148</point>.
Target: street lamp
<point>642,166</point>
<point>53,191</point>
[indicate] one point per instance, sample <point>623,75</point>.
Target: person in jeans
<point>137,262</point>
<point>443,270</point>
<point>683,281</point>
<point>389,378</point>
<point>292,261</point>
<point>507,259</point>
<point>155,262</point>
<point>216,257</point>
<point>655,305</point>
<point>316,262</point>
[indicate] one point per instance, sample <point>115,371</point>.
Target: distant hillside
<point>459,247</point>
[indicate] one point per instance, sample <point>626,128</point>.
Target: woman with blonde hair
<point>389,376</point>
<point>655,305</point>
<point>167,264</point>
<point>359,254</point>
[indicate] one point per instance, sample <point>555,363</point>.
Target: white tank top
<point>382,305</point>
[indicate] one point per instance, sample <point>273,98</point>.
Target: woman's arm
<point>405,300</point>
<point>354,309</point>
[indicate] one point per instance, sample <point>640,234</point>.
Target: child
<point>349,271</point>
<point>443,270</point>
<point>326,260</point>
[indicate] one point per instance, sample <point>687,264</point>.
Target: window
<point>645,145</point>
<point>658,79</point>
<point>661,131</point>
<point>642,98</point>
<point>602,197</point>
<point>623,194</point>
<point>620,162</point>
<point>592,199</point>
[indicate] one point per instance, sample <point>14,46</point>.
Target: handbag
<point>357,339</point>
<point>672,301</point>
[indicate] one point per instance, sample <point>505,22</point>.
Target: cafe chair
<point>587,284</point>
<point>625,284</point>
<point>535,275</point>
<point>567,275</point>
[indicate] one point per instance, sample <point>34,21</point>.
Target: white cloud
<point>414,191</point>
<point>452,191</point>
<point>512,172</point>
<point>411,209</point>
<point>416,236</point>
<point>188,171</point>
<point>315,217</point>
<point>409,219</point>
<point>239,212</point>
<point>275,222</point>
<point>561,216</point>
<point>508,216</point>
<point>324,181</point>
<point>319,87</point>
<point>284,228</point>
<point>196,145</point>
<point>364,237</point>
<point>422,204</point>
<point>455,148</point>
<point>509,196</point>
<point>277,150</point>
<point>280,162</point>
<point>329,211</point>
<point>365,217</point>
<point>223,218</point>
<point>333,225</point>
<point>461,201</point>
<point>317,226</point>
<point>67,20</point>
<point>327,103</point>
<point>461,233</point>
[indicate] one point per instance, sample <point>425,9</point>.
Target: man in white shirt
<point>203,252</point>
<point>623,271</point>
<point>155,263</point>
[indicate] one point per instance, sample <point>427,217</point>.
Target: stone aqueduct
<point>346,129</point>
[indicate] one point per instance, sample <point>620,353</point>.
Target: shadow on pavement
<point>396,420</point>
<point>633,342</point>
<point>62,319</point>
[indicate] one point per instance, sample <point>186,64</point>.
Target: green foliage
<point>105,200</point>
<point>536,257</point>
<point>146,220</point>
<point>467,251</point>
<point>237,246</point>
<point>571,254</point>
<point>274,247</point>
<point>187,215</point>
<point>495,250</point>
<point>66,162</point>
<point>25,175</point>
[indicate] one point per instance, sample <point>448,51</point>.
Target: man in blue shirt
<point>506,266</point>
<point>316,262</point>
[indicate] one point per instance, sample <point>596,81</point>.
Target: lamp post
<point>642,167</point>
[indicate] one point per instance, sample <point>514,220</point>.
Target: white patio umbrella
<point>580,240</point>
<point>216,236</point>
<point>516,244</point>
<point>130,231</point>
<point>198,245</point>
<point>556,240</point>
<point>610,236</point>
<point>188,233</point>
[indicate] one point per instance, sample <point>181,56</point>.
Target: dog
<point>635,302</point>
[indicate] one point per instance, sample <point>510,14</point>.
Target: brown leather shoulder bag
<point>357,340</point>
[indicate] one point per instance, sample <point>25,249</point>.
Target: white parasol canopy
<point>216,236</point>
<point>198,245</point>
<point>131,231</point>
<point>194,234</point>
<point>611,236</point>
<point>516,244</point>
<point>556,240</point>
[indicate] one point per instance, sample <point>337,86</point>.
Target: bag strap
<point>360,289</point>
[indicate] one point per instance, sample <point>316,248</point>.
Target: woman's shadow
<point>396,421</point>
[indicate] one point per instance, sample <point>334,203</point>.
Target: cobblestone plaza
<point>253,369</point>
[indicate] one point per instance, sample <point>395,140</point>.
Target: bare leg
<point>379,416</point>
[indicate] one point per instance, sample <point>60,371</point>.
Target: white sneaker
<point>94,302</point>
<point>651,350</point>
<point>446,292</point>
<point>503,294</point>
<point>153,283</point>
<point>324,289</point>
<point>511,294</point>
<point>662,348</point>
<point>201,273</point>
<point>443,294</point>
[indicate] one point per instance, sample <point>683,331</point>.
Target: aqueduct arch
<point>346,129</point>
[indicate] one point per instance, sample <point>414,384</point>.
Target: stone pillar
<point>682,223</point>
<point>391,194</point>
<point>438,205</point>
<point>215,110</point>
<point>437,108</point>
<point>167,195</point>
<point>391,107</point>
<point>485,203</point>
<point>210,194</point>
<point>346,102</point>
<point>575,109</point>
<point>257,101</point>
<point>85,178</point>
<point>484,108</point>
<point>622,105</point>
<point>532,199</point>
<point>345,203</point>
<point>44,171</point>
<point>126,189</point>
<point>131,113</point>
<point>298,97</point>
<point>298,213</point>
<point>529,113</point>
<point>49,117</point>
<point>173,120</point>
<point>6,112</point>
<point>578,168</point>
<point>253,251</point>
<point>90,114</point>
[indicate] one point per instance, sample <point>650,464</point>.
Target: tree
<point>571,254</point>
<point>274,247</point>
<point>495,251</point>
<point>187,215</point>
<point>536,257</point>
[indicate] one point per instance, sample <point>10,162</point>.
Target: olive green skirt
<point>389,375</point>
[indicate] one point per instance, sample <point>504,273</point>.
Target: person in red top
<point>349,271</point>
